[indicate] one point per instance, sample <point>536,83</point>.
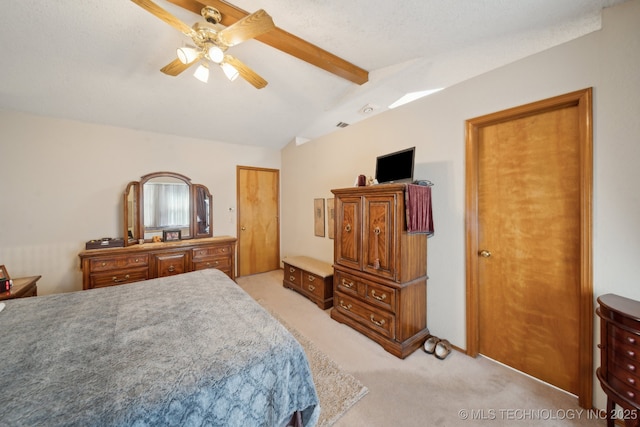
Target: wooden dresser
<point>619,371</point>
<point>380,270</point>
<point>116,266</point>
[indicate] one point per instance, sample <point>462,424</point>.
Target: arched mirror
<point>167,204</point>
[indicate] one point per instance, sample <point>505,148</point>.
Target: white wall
<point>62,185</point>
<point>607,60</point>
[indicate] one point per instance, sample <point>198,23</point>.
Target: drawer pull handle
<point>631,394</point>
<point>631,381</point>
<point>631,340</point>
<point>104,263</point>
<point>311,278</point>
<point>631,353</point>
<point>631,367</point>
<point>376,231</point>
<point>292,270</point>
<point>347,228</point>
<point>292,278</point>
<point>312,288</point>
<point>376,322</point>
<point>346,307</point>
<point>116,280</point>
<point>347,284</point>
<point>171,269</point>
<point>378,297</point>
<point>224,250</point>
<point>208,264</point>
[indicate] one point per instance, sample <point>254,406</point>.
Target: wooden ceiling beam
<point>284,41</point>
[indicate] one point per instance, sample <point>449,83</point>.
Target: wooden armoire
<point>380,270</point>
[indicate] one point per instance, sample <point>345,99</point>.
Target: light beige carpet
<point>337,389</point>
<point>420,390</point>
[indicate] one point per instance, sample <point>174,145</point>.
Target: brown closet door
<point>529,244</point>
<point>258,220</point>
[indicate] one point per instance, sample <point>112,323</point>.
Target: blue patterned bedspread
<point>188,350</point>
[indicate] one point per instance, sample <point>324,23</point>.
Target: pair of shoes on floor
<point>438,347</point>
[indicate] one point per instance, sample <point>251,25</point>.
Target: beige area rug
<point>337,389</point>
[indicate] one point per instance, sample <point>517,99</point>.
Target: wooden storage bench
<point>311,278</point>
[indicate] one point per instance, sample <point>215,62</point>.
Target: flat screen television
<point>395,167</point>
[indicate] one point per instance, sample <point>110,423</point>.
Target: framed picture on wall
<point>318,217</point>
<point>330,217</point>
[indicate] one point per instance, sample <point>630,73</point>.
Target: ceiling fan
<point>211,42</point>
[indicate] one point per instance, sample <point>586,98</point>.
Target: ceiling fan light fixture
<point>229,71</point>
<point>202,72</point>
<point>216,54</point>
<point>187,55</point>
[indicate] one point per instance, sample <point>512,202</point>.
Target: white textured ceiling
<point>98,61</point>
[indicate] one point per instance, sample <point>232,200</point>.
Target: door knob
<point>484,253</point>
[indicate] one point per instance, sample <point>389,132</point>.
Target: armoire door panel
<point>379,256</point>
<point>348,235</point>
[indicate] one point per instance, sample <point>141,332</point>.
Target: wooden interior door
<point>258,220</point>
<point>529,240</point>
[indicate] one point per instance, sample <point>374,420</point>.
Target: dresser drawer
<point>212,251</point>
<point>624,374</point>
<point>626,350</point>
<point>121,277</point>
<point>382,296</point>
<point>118,262</point>
<point>313,284</point>
<point>629,365</point>
<point>625,389</point>
<point>223,263</point>
<point>293,275</point>
<point>349,284</point>
<point>171,264</point>
<point>377,320</point>
<point>625,337</point>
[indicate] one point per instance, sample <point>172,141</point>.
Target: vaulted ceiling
<point>99,61</point>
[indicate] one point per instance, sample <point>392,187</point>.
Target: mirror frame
<point>136,188</point>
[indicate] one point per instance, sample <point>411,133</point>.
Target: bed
<point>191,349</point>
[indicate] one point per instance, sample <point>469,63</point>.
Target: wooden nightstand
<point>22,287</point>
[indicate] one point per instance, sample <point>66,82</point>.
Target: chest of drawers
<point>380,270</point>
<point>311,278</point>
<point>116,266</point>
<point>619,371</point>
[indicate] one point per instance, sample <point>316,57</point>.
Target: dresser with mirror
<point>168,230</point>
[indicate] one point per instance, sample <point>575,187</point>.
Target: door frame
<point>581,99</point>
<point>240,168</point>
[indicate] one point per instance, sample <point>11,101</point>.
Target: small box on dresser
<point>311,278</point>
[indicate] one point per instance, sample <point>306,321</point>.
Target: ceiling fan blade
<point>175,67</point>
<point>284,41</point>
<point>156,10</point>
<point>247,28</point>
<point>245,72</point>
